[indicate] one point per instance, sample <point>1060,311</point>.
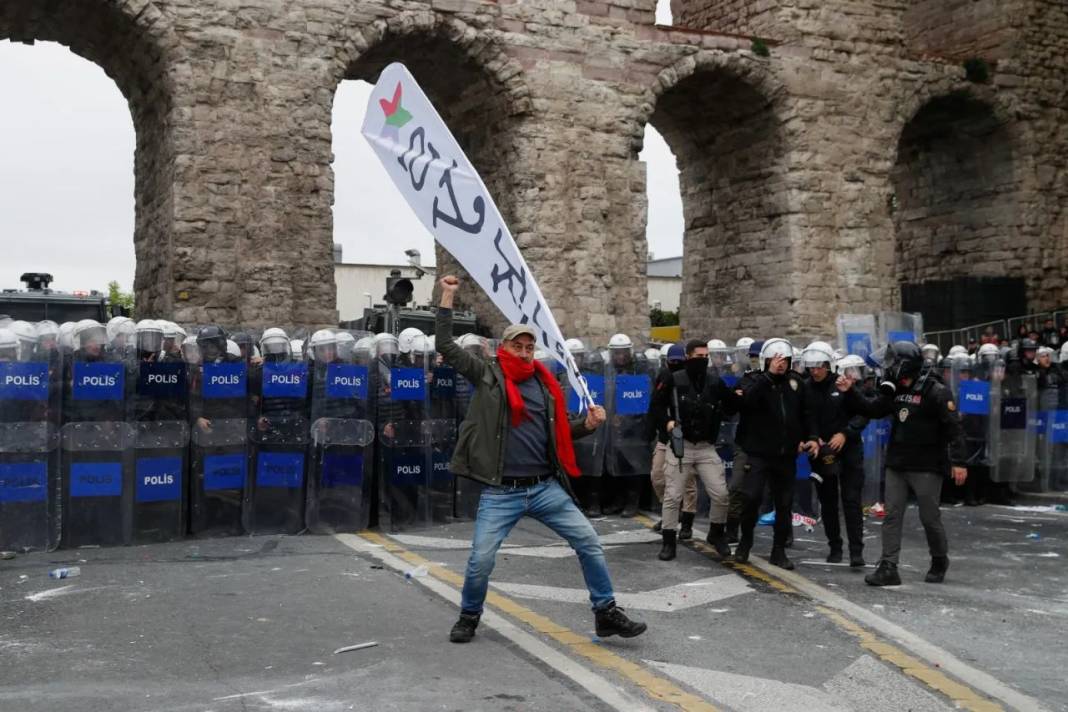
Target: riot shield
<point>97,491</point>
<point>631,432</point>
<point>900,326</point>
<point>402,427</point>
<point>278,437</point>
<point>1014,400</point>
<point>31,397</point>
<point>873,440</point>
<point>856,334</point>
<point>589,451</point>
<point>340,485</point>
<point>441,436</point>
<point>219,441</point>
<point>158,418</point>
<point>971,388</point>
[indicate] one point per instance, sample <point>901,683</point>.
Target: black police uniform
<point>925,423</point>
<point>840,473</point>
<point>771,427</point>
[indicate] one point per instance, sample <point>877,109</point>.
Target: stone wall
<point>790,164</point>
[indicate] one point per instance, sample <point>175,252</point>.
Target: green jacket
<point>479,452</point>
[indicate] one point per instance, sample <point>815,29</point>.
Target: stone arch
<point>128,40</point>
<point>956,181</point>
<point>478,89</point>
<point>720,115</point>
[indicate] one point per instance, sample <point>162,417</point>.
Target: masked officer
<point>693,400</point>
<point>925,422</point>
<point>675,358</point>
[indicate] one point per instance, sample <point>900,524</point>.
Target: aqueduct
<point>853,159</point>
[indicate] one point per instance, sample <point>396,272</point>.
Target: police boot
<point>835,557</point>
<point>856,560</point>
<point>778,558</point>
<point>937,572</point>
<point>732,531</point>
<point>630,508</point>
<point>686,526</point>
<point>885,575</point>
<point>717,537</point>
<point>612,621</point>
<point>667,551</point>
<point>741,552</point>
<point>593,505</point>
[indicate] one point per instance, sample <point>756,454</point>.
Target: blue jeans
<point>500,508</point>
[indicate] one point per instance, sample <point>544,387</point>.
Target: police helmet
<point>620,341</point>
<point>150,335</point>
<point>9,345</point>
<point>406,337</point>
<point>88,332</point>
<point>903,359</point>
<point>274,342</point>
<point>386,344</point>
<point>575,346</point>
<point>818,353</point>
<point>775,347</point>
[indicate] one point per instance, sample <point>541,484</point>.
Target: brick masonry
<point>814,181</point>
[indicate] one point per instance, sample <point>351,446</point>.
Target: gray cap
<point>516,330</point>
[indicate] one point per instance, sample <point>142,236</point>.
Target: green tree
<point>119,298</point>
<point>659,317</point>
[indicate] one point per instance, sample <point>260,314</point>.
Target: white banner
<point>447,194</point>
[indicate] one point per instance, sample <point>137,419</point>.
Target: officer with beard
<point>693,400</point>
<point>925,425</point>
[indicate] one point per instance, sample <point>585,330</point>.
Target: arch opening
<point>725,134</point>
<point>481,101</point>
<point>954,210</point>
<point>118,39</point>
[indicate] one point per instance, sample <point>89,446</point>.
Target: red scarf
<point>516,370</point>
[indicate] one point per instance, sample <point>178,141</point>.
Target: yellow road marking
<point>657,687</point>
<point>962,696</point>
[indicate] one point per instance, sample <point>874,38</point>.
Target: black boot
<point>667,551</point>
<point>778,558</point>
<point>937,572</point>
<point>732,531</point>
<point>741,552</point>
<point>612,621</point>
<point>835,557</point>
<point>593,505</point>
<point>686,526</point>
<point>717,537</point>
<point>885,575</point>
<point>658,527</point>
<point>856,560</point>
<point>790,539</point>
<point>464,629</point>
<point>630,508</point>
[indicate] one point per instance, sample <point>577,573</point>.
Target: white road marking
<point>672,598</point>
<point>50,593</point>
<point>865,685</point>
<point>933,654</point>
<point>600,687</point>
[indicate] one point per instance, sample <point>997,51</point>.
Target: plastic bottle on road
<point>65,572</point>
<point>417,572</point>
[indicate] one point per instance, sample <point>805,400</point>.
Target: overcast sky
<point>66,177</point>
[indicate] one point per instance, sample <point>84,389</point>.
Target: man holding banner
<point>517,440</point>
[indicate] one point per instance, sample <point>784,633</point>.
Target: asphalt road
<point>252,624</point>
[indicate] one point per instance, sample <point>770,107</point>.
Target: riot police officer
<point>771,432</point>
<point>839,467</point>
<point>925,422</point>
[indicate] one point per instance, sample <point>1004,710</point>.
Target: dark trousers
<point>845,480</point>
<point>778,473</point>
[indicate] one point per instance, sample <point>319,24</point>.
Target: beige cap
<point>516,330</point>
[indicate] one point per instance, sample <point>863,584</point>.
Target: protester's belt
<point>524,481</point>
